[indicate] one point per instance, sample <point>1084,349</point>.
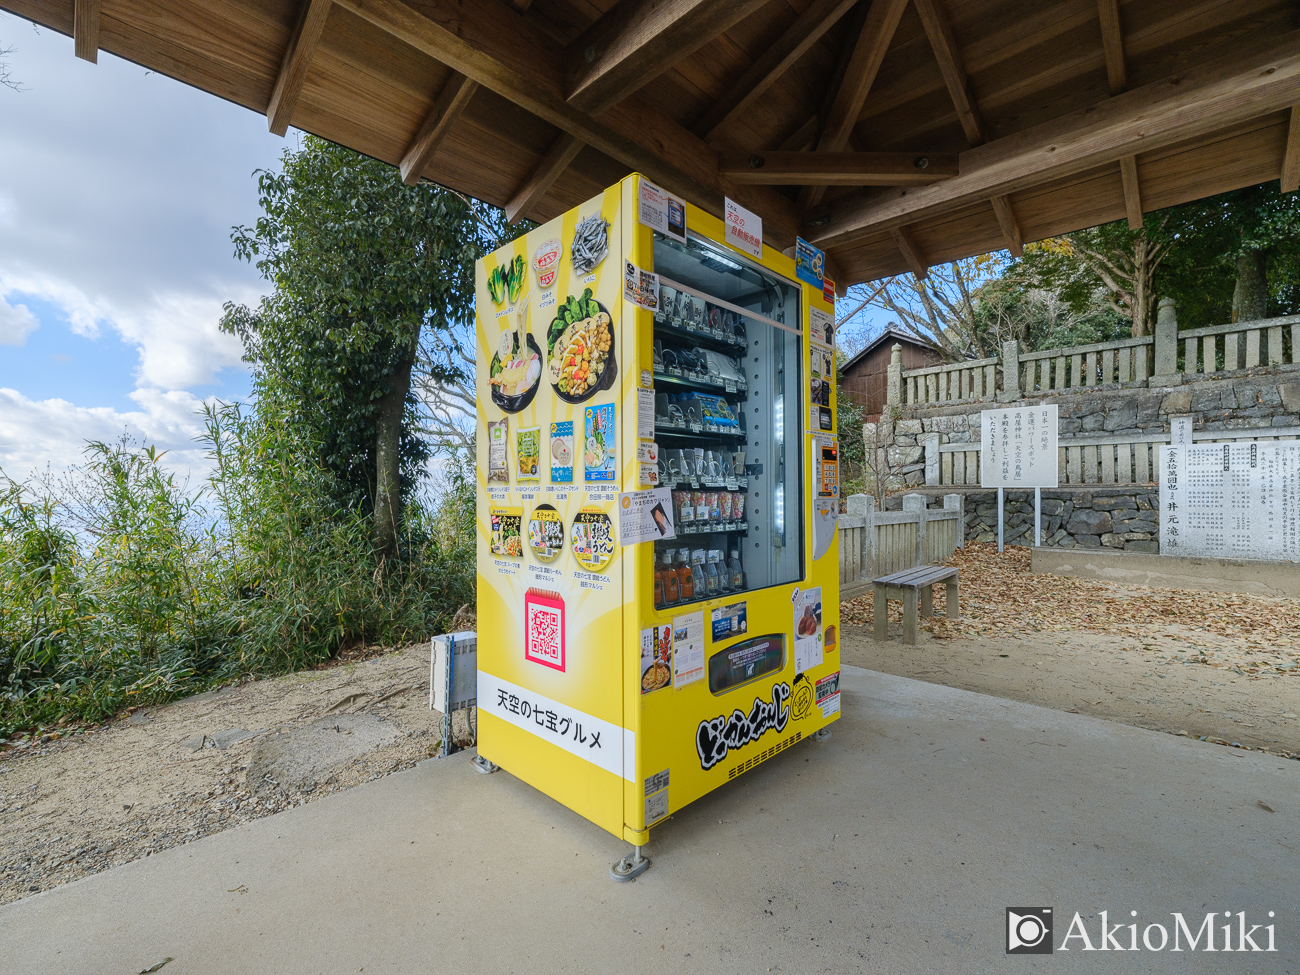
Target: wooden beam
<point>850,94</point>
<point>1256,80</point>
<point>939,31</point>
<point>555,162</point>
<point>638,40</point>
<point>1291,158</point>
<point>85,30</point>
<point>911,253</point>
<point>1009,224</point>
<point>1112,42</point>
<point>838,168</point>
<point>491,44</point>
<point>1128,172</point>
<point>293,66</point>
<point>521,5</point>
<point>455,95</point>
<point>807,30</point>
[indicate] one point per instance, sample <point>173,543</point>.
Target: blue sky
<point>118,189</point>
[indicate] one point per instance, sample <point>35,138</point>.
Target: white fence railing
<point>1125,362</point>
<point>1144,361</point>
<point>1243,345</point>
<point>875,543</point>
<point>958,382</point>
<point>1108,460</point>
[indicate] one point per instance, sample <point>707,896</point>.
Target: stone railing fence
<point>1168,357</point>
<point>1110,460</point>
<point>1245,345</point>
<point>874,543</point>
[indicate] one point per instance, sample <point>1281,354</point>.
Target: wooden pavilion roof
<point>894,133</point>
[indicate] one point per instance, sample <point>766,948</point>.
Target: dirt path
<point>75,805</point>
<point>1220,666</point>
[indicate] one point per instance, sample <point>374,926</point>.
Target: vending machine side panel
<point>550,381</point>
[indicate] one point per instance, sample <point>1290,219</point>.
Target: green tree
<point>361,264</point>
<point>1112,263</point>
<point>1236,256</point>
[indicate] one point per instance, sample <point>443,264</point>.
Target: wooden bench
<point>911,586</point>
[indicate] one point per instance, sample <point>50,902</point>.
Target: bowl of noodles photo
<point>515,371</point>
<point>580,343</point>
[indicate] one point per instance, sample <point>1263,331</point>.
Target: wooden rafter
<point>521,5</point>
<point>85,30</point>
<point>838,168</point>
<point>489,43</point>
<point>1291,158</point>
<point>453,98</point>
<point>637,40</point>
<point>306,35</point>
<point>555,162</point>
<point>911,253</point>
<point>808,28</point>
<point>1009,225</point>
<point>844,102</point>
<point>1128,171</point>
<point>1214,95</point>
<point>1112,41</point>
<point>939,31</point>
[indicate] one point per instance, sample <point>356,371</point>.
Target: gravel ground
<point>78,802</point>
<point>1220,667</point>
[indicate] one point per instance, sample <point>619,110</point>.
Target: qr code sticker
<point>656,782</point>
<point>544,634</point>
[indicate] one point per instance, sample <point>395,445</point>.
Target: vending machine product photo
<point>658,488</point>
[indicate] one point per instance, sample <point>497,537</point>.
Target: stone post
<point>957,502</point>
<point>1010,371</point>
<point>1166,340</point>
<point>865,505</point>
<point>894,396</point>
<point>932,459</point>
<point>916,503</point>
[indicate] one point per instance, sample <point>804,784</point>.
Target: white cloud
<point>118,190</point>
<point>15,322</point>
<point>53,433</point>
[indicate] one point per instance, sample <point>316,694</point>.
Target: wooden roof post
<point>894,390</point>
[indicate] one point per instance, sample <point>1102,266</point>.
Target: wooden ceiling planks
<point>1026,64</point>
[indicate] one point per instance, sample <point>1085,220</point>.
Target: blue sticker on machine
<point>809,262</point>
<point>729,621</point>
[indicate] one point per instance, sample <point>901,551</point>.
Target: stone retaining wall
<point>1123,518</point>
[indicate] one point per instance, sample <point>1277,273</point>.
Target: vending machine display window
<point>727,371</point>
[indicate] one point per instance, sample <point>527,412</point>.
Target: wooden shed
<point>865,377</point>
<point>892,133</point>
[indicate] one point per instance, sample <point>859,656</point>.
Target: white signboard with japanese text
<point>1231,500</point>
<point>744,228</point>
<point>1018,447</point>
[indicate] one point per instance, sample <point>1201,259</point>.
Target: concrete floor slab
<point>893,848</point>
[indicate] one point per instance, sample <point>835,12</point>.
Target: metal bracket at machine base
<point>630,867</point>
<point>481,764</point>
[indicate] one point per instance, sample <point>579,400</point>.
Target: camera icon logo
<point>1029,930</point>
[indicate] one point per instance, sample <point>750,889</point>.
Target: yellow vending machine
<point>658,487</point>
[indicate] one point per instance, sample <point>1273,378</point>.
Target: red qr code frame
<point>545,644</point>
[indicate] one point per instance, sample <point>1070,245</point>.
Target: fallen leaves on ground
<point>1001,597</point>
